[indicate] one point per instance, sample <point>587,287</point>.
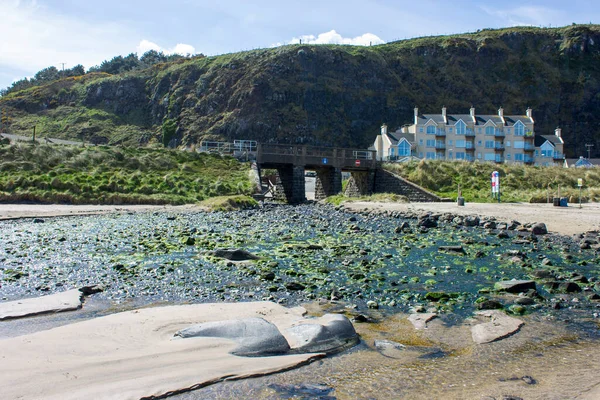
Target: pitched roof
<point>553,139</point>
<point>479,119</point>
<point>397,136</point>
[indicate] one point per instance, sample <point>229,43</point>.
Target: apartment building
<point>470,137</point>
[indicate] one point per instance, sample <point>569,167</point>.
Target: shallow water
<point>143,259</point>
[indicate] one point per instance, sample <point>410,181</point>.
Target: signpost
<point>496,185</point>
<point>357,163</point>
<point>324,161</point>
<point>580,184</point>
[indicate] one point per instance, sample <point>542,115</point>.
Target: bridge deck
<point>310,156</point>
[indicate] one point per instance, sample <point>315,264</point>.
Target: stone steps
<point>388,182</point>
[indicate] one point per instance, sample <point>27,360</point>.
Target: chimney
<point>472,112</point>
<point>558,131</point>
<point>416,115</point>
<point>528,113</point>
<point>501,115</point>
<point>383,129</point>
<point>444,115</point>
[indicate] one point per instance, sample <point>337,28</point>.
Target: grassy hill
<point>330,94</point>
<point>113,175</point>
<point>518,182</point>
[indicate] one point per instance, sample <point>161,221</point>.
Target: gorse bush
<point>518,182</point>
<point>67,174</point>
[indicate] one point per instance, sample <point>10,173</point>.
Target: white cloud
<point>332,37</point>
<point>180,48</point>
<point>526,15</point>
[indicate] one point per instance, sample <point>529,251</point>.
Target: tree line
<point>116,65</point>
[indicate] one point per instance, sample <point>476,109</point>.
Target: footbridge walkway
<point>292,161</point>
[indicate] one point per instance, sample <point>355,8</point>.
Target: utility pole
<point>63,68</point>
<point>589,149</point>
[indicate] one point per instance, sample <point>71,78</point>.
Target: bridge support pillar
<point>328,182</point>
<point>360,184</point>
<point>290,184</point>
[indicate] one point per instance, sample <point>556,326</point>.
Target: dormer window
<point>489,130</point>
<point>519,129</point>
<point>461,127</point>
<point>431,130</point>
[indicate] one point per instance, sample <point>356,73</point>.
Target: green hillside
<point>330,94</point>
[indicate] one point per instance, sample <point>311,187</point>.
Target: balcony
<point>558,156</point>
<point>528,160</point>
<point>440,132</point>
<point>499,133</point>
<point>529,135</point>
<point>499,159</point>
<point>440,146</point>
<point>529,147</point>
<point>470,132</point>
<point>498,146</point>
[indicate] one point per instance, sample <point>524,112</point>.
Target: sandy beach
<point>562,220</point>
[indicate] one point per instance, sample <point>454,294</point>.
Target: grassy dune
<point>112,175</point>
<point>517,182</point>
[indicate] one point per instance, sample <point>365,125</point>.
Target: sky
<point>35,34</point>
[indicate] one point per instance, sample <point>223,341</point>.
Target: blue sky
<point>39,33</point>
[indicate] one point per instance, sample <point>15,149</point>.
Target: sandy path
<point>14,211</point>
<point>563,220</point>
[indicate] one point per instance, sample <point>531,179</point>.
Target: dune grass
<point>518,182</point>
<point>115,175</point>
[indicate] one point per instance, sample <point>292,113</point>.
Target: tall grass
<point>518,182</point>
<point>110,175</point>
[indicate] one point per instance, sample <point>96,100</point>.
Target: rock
<point>539,229</point>
<point>268,276</point>
<point>524,301</point>
<point>471,221</point>
<point>69,300</point>
<point>503,235</point>
<point>594,296</point>
<point>563,287</point>
<point>38,221</point>
<point>330,333</point>
<point>256,337</point>
<point>490,305</point>
<point>427,222</point>
<point>305,390</point>
<point>235,254</point>
<point>517,309</point>
<point>437,296</point>
<point>543,274</point>
<point>500,327</point>
<point>372,304</point>
<point>390,349</point>
<point>89,290</point>
<point>294,286</point>
<point>452,249</point>
<point>190,241</point>
<point>490,225</point>
<point>420,321</point>
<point>514,286</point>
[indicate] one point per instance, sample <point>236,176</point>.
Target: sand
<point>15,211</point>
<point>562,220</point>
<point>131,355</point>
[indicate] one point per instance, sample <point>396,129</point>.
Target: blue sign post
<point>324,161</point>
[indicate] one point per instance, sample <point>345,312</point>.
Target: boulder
<point>256,337</point>
<point>452,249</point>
<point>539,229</point>
<point>514,286</point>
<point>328,334</point>
<point>234,254</point>
<point>427,222</point>
<point>500,327</point>
<point>471,221</point>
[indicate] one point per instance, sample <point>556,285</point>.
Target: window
<point>461,127</point>
<point>479,156</point>
<point>460,155</point>
<point>508,143</point>
<point>489,130</point>
<point>479,143</point>
<point>430,155</point>
<point>461,144</point>
<point>508,156</point>
<point>519,129</point>
<point>518,157</point>
<point>519,145</point>
<point>450,129</point>
<point>508,131</point>
<point>430,143</point>
<point>547,150</point>
<point>489,144</point>
<point>450,142</point>
<point>431,130</point>
<point>420,154</point>
<point>421,129</point>
<point>404,148</point>
<point>392,151</point>
<point>421,142</point>
<point>489,156</point>
<point>480,130</point>
<point>537,153</point>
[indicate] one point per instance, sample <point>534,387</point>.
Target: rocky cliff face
<point>335,95</point>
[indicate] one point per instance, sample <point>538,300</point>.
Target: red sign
<point>357,163</point>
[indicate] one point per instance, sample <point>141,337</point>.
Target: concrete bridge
<point>291,162</point>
